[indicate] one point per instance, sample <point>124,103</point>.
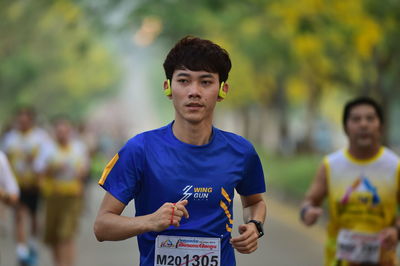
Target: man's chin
<point>194,120</point>
<point>365,143</point>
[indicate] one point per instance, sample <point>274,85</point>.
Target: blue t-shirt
<point>155,167</point>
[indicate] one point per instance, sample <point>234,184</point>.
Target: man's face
<point>363,126</point>
<point>194,94</point>
<point>24,121</point>
<point>63,132</point>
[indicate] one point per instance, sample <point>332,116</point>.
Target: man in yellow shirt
<point>361,184</point>
<point>66,166</point>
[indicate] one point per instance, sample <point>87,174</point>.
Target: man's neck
<point>364,153</point>
<point>194,134</point>
<point>25,131</point>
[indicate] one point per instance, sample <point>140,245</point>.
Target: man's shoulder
<point>391,154</point>
<point>335,155</point>
<point>145,136</point>
<point>235,139</point>
<point>13,133</point>
<point>10,138</point>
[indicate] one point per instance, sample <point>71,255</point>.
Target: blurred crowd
<point>44,169</point>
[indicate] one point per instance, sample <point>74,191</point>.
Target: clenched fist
<point>169,214</point>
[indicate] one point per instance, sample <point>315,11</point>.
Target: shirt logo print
<point>186,193</point>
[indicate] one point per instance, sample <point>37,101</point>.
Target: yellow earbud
<point>222,93</point>
<point>168,91</point>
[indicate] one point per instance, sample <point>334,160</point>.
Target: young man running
<point>182,176</point>
<point>362,186</point>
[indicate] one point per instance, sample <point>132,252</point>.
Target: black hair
<point>198,54</point>
<point>363,100</point>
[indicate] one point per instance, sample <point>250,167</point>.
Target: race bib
<point>187,251</point>
<point>358,247</point>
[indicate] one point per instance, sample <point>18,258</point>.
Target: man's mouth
<point>194,105</point>
<point>364,135</point>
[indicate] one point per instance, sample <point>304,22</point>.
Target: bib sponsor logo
<point>167,244</point>
<point>188,243</point>
<point>195,244</point>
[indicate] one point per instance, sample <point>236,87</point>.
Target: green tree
<point>51,59</point>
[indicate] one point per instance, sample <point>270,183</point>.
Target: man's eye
<point>206,82</point>
<point>182,80</point>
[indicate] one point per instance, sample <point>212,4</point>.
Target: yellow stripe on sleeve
<point>108,168</point>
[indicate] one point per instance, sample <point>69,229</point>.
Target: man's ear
<point>223,91</point>
<point>167,88</point>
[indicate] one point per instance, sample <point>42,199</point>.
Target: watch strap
<point>259,227</point>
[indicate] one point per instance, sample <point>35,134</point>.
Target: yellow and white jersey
<point>65,165</point>
<point>22,149</point>
<point>362,193</point>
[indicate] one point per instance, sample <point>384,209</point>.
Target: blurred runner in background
<point>23,145</point>
<point>66,166</point>
<point>361,183</point>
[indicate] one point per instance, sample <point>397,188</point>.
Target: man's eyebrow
<point>206,76</point>
<point>183,75</point>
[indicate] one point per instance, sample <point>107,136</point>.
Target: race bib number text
<point>358,247</point>
<point>187,251</point>
<point>194,260</point>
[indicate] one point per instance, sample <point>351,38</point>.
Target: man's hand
<point>246,242</point>
<point>389,238</point>
<point>311,215</point>
<point>168,214</point>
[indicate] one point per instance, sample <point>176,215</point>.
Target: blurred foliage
<point>292,181</point>
<point>50,58</point>
<point>286,53</point>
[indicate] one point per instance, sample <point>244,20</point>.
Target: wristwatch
<point>259,227</point>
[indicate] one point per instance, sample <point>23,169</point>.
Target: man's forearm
<point>112,227</point>
<point>8,198</point>
<point>256,211</point>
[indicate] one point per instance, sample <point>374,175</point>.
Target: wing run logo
<point>186,193</point>
<point>198,193</point>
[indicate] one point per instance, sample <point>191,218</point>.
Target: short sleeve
<point>253,181</point>
<point>44,157</point>
<point>5,142</point>
<point>7,177</point>
<point>122,175</point>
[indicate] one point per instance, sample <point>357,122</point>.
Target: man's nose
<point>195,90</point>
<point>364,122</point>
